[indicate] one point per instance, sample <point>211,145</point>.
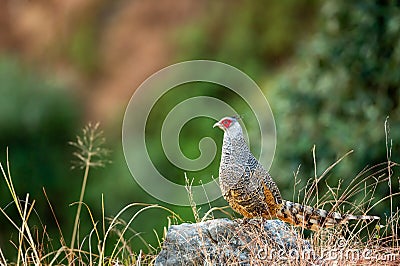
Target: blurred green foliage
<point>83,50</point>
<point>340,93</point>
<point>252,35</point>
<point>37,119</point>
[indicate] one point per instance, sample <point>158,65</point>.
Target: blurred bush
<point>37,119</point>
<point>256,36</point>
<point>340,92</point>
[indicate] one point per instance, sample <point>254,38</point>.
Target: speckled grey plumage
<point>240,171</point>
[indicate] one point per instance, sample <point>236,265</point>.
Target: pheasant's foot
<point>249,221</point>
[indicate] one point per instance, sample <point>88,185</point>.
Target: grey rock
<point>227,242</point>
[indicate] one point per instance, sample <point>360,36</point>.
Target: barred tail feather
<point>314,219</point>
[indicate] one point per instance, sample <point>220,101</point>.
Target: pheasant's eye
<point>226,123</point>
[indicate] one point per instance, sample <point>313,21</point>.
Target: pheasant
<point>250,190</point>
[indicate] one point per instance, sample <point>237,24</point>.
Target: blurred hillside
<point>102,48</point>
<point>330,70</point>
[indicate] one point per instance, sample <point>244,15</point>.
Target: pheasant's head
<point>229,125</point>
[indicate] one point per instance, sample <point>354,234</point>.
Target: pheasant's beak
<point>217,125</point>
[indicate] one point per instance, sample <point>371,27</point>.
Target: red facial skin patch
<point>226,123</point>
